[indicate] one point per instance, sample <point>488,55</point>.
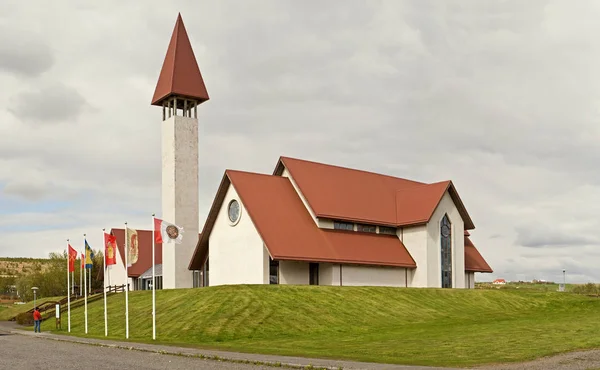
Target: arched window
<point>446,249</point>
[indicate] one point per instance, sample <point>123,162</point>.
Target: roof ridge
<point>176,36</point>
<point>351,169</point>
<point>411,186</point>
<point>251,173</point>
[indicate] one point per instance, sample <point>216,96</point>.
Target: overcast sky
<point>501,97</point>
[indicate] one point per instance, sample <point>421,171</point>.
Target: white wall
<point>415,241</point>
<point>236,253</point>
<point>353,275</point>
<point>325,223</point>
<point>291,272</point>
<point>329,274</point>
<point>180,196</point>
<point>470,280</point>
<point>434,275</point>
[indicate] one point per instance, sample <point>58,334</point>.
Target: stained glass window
<point>446,250</point>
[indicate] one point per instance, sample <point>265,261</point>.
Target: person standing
<point>37,319</point>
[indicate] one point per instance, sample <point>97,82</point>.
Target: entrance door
<point>313,272</point>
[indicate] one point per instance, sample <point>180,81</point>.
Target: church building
<point>320,224</point>
<point>306,223</point>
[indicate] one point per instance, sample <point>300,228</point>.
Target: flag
<point>89,254</point>
<point>165,232</point>
<point>82,260</point>
<point>132,246</point>
<point>110,249</point>
<point>72,258</point>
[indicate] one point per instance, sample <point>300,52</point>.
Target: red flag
<point>110,249</point>
<point>82,260</point>
<point>72,258</point>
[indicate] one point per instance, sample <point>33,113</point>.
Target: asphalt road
<point>26,352</point>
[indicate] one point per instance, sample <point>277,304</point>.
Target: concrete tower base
<point>180,197</point>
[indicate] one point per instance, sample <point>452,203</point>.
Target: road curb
<point>94,342</point>
<point>222,356</point>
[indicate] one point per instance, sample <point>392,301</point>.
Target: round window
<point>234,211</point>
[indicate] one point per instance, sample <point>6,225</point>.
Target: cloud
<point>26,189</point>
<point>498,98</point>
<point>549,236</point>
<point>54,102</point>
<point>23,55</point>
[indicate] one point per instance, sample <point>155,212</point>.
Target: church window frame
<point>446,254</point>
<point>342,225</point>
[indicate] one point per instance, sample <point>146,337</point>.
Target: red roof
<point>474,262</point>
<point>144,261</point>
<point>289,232</point>
<point>416,204</point>
<point>348,194</point>
<point>180,74</point>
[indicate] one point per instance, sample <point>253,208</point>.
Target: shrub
<point>25,318</point>
<point>587,289</point>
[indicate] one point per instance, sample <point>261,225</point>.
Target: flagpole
<point>80,276</point>
<point>68,287</point>
<point>126,285</point>
<point>85,281</point>
<point>104,278</point>
<point>153,285</point>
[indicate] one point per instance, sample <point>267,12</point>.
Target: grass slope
<point>406,326</point>
<point>12,310</point>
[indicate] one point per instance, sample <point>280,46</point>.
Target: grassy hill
<point>406,326</point>
<point>9,311</point>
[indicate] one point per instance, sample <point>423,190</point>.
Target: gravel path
<point>25,352</point>
<point>22,349</point>
<point>581,360</point>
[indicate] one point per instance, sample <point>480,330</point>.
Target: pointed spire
<point>180,74</point>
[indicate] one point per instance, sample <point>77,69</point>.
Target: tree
<point>6,284</point>
<point>52,281</point>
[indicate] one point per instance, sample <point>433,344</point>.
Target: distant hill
<point>18,265</point>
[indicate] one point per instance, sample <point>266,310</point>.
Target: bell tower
<point>179,91</point>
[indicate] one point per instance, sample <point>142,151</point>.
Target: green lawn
<point>405,326</point>
<point>15,309</point>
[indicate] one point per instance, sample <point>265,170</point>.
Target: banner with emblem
<point>165,232</point>
<point>132,246</point>
<point>110,249</point>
